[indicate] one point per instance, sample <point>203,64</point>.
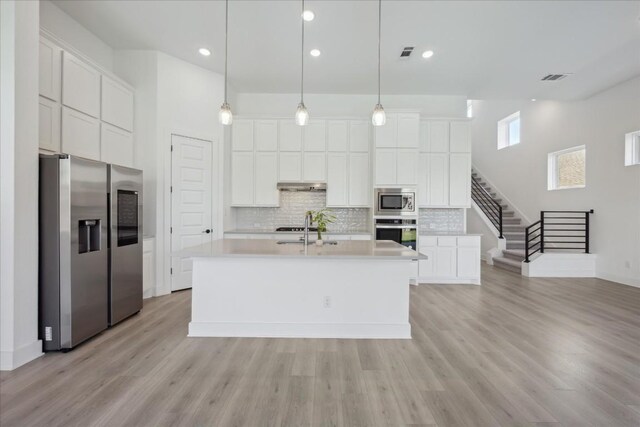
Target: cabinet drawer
<point>447,241</point>
<point>469,241</point>
<point>428,241</point>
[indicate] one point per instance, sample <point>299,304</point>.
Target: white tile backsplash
<point>293,206</point>
<point>437,220</point>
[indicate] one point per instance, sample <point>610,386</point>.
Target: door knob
<point>208,230</point>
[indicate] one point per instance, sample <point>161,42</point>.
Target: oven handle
<point>398,226</point>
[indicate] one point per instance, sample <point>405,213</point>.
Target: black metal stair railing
<point>558,231</point>
<point>486,203</point>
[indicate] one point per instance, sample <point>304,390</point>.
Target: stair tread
<point>518,252</point>
<point>508,261</point>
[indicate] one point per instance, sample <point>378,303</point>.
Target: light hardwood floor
<point>514,352</point>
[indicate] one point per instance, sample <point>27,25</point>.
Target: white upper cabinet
<point>460,137</point>
<point>266,135</point>
<point>266,179</point>
<point>337,135</point>
<point>50,69</point>
<point>80,85</point>
<point>438,136</point>
<point>408,130</point>
<point>290,136</point>
<point>387,136</point>
<point>290,167</point>
<point>80,134</point>
<point>315,136</point>
<point>116,145</point>
<point>242,178</point>
<point>437,180</point>
<point>386,166</point>
<point>314,167</point>
<point>117,104</point>
<point>49,125</point>
<point>460,180</point>
<point>337,180</point>
<point>359,182</point>
<point>407,167</point>
<point>242,135</point>
<point>359,135</point>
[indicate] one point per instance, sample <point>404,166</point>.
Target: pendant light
<point>225,116</point>
<point>302,115</point>
<point>379,118</point>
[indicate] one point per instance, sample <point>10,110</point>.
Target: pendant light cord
<point>226,39</point>
<point>379,36</point>
<point>302,57</point>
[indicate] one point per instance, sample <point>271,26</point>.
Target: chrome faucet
<point>307,222</point>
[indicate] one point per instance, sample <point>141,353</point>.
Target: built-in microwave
<point>395,201</point>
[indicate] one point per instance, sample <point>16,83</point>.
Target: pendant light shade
<point>379,118</point>
<point>225,116</point>
<point>302,115</point>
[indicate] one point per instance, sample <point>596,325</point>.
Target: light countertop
<point>272,231</point>
<point>349,249</point>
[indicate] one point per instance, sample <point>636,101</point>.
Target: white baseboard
<point>301,330</point>
<point>455,281</point>
<point>619,279</point>
<point>10,360</point>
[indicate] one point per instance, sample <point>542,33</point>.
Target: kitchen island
<point>260,288</point>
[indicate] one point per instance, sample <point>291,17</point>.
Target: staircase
<point>505,220</point>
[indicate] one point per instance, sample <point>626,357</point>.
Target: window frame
<point>552,169</point>
<point>469,109</point>
<point>504,136</point>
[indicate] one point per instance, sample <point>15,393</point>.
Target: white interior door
<point>191,202</point>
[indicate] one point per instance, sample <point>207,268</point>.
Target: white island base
<point>349,291</point>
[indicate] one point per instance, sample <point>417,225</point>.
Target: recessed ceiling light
<point>427,54</point>
<point>533,100</point>
<point>307,15</point>
<point>315,52</point>
<point>204,51</point>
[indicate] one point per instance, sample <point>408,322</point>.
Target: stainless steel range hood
<point>302,186</point>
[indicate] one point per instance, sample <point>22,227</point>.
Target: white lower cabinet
<point>80,134</point>
<point>450,259</point>
<point>148,267</point>
<point>116,145</point>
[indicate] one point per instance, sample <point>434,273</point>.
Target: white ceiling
<point>495,49</point>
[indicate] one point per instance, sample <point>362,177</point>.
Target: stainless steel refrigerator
<point>90,256</point>
<point>125,242</point>
<point>73,252</point>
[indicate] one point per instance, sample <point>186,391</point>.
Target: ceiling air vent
<point>406,52</point>
<point>554,77</point>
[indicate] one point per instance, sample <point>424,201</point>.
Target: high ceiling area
<point>494,49</point>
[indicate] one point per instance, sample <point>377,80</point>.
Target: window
<point>509,131</point>
<point>469,108</point>
<point>566,168</point>
<point>632,148</point>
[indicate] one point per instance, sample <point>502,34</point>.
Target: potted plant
<point>321,218</point>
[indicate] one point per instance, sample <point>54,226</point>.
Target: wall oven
<point>403,231</point>
<point>395,201</point>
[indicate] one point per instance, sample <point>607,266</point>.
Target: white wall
<point>613,190</point>
<point>172,96</point>
<point>334,105</point>
<point>54,20</point>
<point>19,41</point>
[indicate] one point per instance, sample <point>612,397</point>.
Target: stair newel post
<point>541,232</point>
<point>586,236</point>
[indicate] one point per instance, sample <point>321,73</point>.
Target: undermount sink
<point>300,242</point>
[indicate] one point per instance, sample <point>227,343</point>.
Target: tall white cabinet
<point>444,164</point>
<point>84,110</point>
<point>396,152</point>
